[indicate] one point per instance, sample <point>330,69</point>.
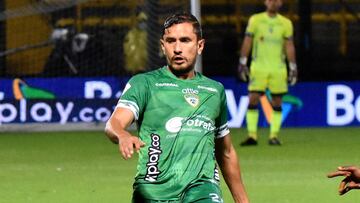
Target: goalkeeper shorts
<point>274,80</point>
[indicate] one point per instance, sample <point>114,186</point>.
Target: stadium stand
<point>27,48</point>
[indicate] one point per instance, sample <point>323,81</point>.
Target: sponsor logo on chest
<point>197,124</point>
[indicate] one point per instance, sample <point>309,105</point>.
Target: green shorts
<point>199,192</point>
<point>262,79</point>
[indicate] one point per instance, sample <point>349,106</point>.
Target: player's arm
<point>248,40</point>
<point>246,46</point>
<point>229,166</point>
<point>290,50</point>
<point>243,70</point>
<point>288,36</point>
<point>291,56</point>
<point>351,180</point>
<point>115,130</point>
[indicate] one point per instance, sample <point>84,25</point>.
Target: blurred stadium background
<point>326,33</point>
<point>63,64</point>
<point>87,49</point>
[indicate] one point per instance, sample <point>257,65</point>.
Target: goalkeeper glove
<point>243,70</point>
<point>292,78</point>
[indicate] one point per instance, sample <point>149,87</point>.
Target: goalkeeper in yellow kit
<point>270,37</point>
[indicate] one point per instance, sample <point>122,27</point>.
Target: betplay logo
<point>342,106</point>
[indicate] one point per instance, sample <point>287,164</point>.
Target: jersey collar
<point>170,74</point>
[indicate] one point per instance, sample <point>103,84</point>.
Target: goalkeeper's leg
<point>252,117</point>
<point>276,117</point>
<point>278,87</point>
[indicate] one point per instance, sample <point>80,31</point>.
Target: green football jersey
<point>269,35</point>
<point>179,121</point>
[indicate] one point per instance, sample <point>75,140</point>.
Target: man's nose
<point>177,48</point>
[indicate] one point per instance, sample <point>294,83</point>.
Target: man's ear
<point>162,46</point>
<point>201,44</point>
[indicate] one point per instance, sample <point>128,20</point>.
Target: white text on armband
<point>154,156</point>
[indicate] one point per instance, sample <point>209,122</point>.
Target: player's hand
<point>293,73</point>
<point>128,143</point>
<point>351,180</point>
<point>243,72</point>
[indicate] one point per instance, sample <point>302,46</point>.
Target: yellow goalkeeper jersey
<point>269,35</point>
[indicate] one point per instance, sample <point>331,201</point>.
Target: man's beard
<point>182,71</point>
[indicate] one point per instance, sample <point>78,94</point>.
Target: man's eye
<point>185,40</point>
<point>170,40</point>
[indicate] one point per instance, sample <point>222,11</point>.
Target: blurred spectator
<point>135,45</point>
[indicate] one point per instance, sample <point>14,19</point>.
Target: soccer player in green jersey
<point>270,36</point>
<point>182,124</point>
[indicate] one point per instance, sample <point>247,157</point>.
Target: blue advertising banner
<point>60,111</point>
<point>62,88</point>
<point>64,100</point>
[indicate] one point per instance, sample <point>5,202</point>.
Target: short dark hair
<point>183,17</point>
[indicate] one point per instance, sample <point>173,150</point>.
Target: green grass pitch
<point>84,167</point>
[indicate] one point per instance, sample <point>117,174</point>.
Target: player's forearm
<point>230,169</point>
<point>246,47</point>
<point>290,52</point>
<point>115,131</point>
<point>237,188</point>
<point>111,133</point>
<point>116,126</point>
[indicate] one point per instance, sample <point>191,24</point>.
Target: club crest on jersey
<point>271,29</point>
<point>192,99</point>
<point>190,96</point>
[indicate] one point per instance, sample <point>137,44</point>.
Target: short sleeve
<point>289,30</point>
<point>221,122</point>
<point>250,29</point>
<point>134,95</point>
